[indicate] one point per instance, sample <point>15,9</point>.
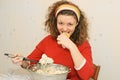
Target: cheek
<point>59,28</point>
<point>72,30</point>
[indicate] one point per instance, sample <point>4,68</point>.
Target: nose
<point>65,28</point>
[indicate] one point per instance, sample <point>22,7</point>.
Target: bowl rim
<point>68,70</point>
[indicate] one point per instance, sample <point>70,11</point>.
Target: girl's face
<point>66,24</point>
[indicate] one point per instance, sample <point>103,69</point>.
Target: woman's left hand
<point>64,40</point>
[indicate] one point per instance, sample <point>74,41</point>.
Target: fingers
<point>17,59</point>
<point>15,55</point>
<point>61,39</point>
<point>59,42</point>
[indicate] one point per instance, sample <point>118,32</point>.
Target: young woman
<point>67,43</point>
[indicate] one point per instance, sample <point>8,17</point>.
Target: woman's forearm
<point>78,59</point>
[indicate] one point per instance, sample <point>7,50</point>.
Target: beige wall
<point>22,27</point>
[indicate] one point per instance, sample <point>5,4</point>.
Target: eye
<point>60,23</point>
<point>70,24</point>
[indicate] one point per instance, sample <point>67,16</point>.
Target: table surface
<point>16,74</point>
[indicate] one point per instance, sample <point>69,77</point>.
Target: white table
<point>16,74</point>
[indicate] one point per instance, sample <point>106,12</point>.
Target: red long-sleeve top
<point>62,56</point>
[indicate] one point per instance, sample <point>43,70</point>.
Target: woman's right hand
<point>17,59</point>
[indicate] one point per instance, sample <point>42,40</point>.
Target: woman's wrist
<point>72,47</point>
<point>81,65</point>
<point>25,64</point>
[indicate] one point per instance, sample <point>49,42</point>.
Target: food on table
<point>47,66</point>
